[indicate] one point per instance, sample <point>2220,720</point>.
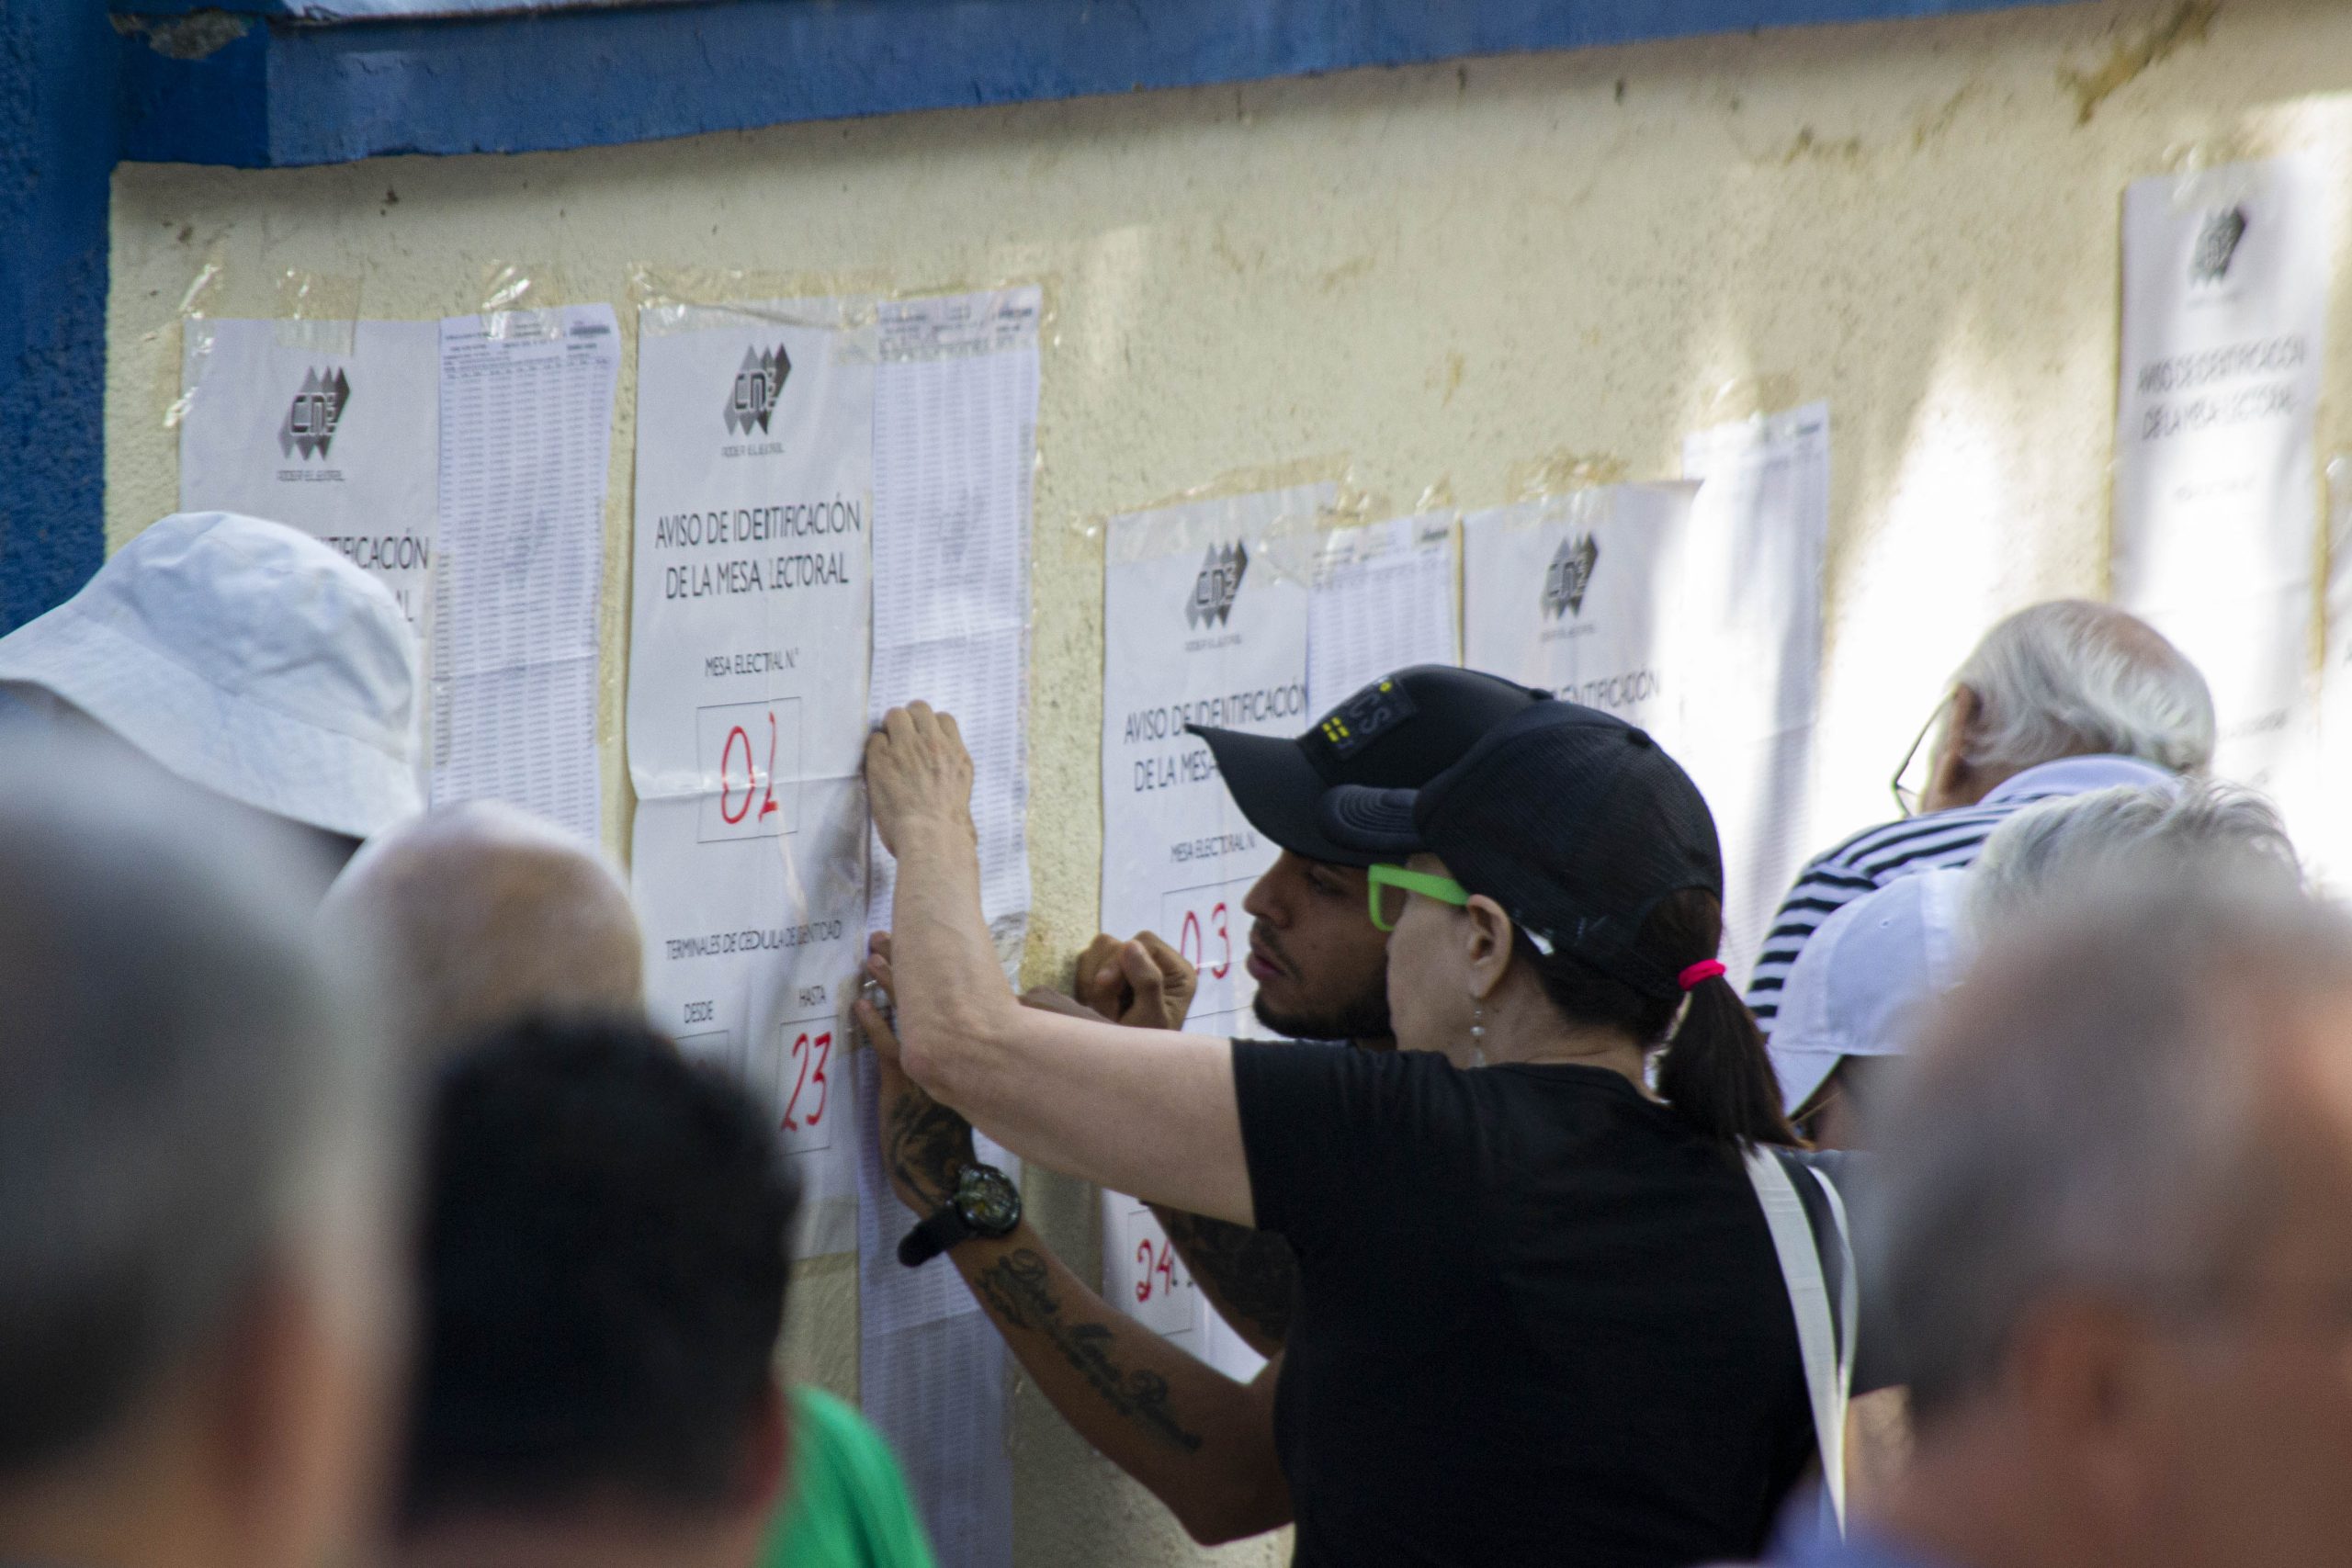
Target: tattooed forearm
<point>1019,1288</point>
<point>928,1145</point>
<point>1250,1271</point>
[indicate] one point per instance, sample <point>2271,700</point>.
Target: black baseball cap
<point>1400,732</point>
<point>1573,820</point>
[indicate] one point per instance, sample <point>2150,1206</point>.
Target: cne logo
<point>1219,583</point>
<point>758,384</point>
<point>311,417</point>
<point>1568,576</point>
<point>2217,244</point>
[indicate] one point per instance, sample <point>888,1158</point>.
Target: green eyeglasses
<point>1383,877</point>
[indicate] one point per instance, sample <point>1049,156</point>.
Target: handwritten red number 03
<point>1159,1263</point>
<point>1190,942</point>
<point>752,782</point>
<point>812,1054</point>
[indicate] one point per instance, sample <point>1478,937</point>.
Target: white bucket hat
<point>247,658</point>
<point>1865,975</point>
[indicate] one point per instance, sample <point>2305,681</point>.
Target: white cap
<point>247,658</point>
<point>1865,974</point>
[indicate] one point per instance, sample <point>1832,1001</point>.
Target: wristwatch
<point>986,1203</point>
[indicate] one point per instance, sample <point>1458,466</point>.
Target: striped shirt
<point>1876,856</point>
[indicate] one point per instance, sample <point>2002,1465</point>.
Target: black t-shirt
<point>1540,1320</point>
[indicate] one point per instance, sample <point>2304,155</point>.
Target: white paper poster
<point>1749,629</point>
<point>328,426</point>
<point>1382,601</point>
<point>526,416</point>
<point>1695,615</point>
<point>1575,594</point>
<point>2226,277</point>
<point>1205,618</point>
<point>747,707</point>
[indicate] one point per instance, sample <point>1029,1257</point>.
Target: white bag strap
<point>1828,1355</point>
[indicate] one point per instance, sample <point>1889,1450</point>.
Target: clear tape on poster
<point>178,370</point>
<point>1317,484</point>
<point>519,299</point>
<point>682,299</point>
<point>317,313</point>
<point>1562,473</point>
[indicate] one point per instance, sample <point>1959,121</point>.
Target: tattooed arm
<point>1250,1275</point>
<point>1202,1443</point>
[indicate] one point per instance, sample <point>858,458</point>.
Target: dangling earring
<point>1478,1035</point>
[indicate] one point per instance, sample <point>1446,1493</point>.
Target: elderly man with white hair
<point>248,660</point>
<point>2060,698</point>
<point>2109,1222</point>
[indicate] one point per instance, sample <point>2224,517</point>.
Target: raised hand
<point>924,1145</point>
<point>918,774</point>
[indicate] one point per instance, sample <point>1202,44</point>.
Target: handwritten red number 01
<point>1191,944</point>
<point>812,1054</point>
<point>752,782</point>
<point>1159,1263</point>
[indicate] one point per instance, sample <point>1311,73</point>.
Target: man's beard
<point>1363,1017</point>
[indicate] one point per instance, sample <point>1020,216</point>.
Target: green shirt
<point>848,1506</point>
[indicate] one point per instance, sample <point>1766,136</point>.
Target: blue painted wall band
<point>291,93</point>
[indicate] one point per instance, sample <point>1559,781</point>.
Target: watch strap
<point>934,1235</point>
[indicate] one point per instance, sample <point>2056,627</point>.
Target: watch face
<point>987,1200</point>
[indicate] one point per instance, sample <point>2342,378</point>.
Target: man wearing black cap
<point>1321,967</point>
<point>1202,1442</point>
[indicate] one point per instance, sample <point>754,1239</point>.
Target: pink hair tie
<point>1704,970</point>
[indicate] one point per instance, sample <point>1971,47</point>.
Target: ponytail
<point>1714,1072</point>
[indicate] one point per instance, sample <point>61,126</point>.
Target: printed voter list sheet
<point>1749,631</point>
<point>1382,600</point>
<point>954,448</point>
<point>2226,277</point>
<point>932,1366</point>
<point>747,711</point>
<point>1204,622</point>
<point>526,419</point>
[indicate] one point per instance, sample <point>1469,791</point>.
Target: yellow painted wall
<point>1448,273</point>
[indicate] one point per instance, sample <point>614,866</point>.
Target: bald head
<point>485,913</point>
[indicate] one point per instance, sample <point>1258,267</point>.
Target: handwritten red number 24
<point>1159,1263</point>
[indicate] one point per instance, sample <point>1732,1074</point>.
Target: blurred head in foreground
<point>603,1286</point>
<point>484,913</point>
<point>200,1296</point>
<point>2113,1232</point>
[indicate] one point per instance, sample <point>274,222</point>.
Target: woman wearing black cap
<point>1543,1319</point>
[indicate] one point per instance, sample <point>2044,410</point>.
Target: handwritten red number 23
<point>810,1053</point>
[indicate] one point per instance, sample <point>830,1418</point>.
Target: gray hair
<point>2080,1114</point>
<point>2070,678</point>
<point>189,1096</point>
<point>2056,845</point>
<point>485,913</point>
